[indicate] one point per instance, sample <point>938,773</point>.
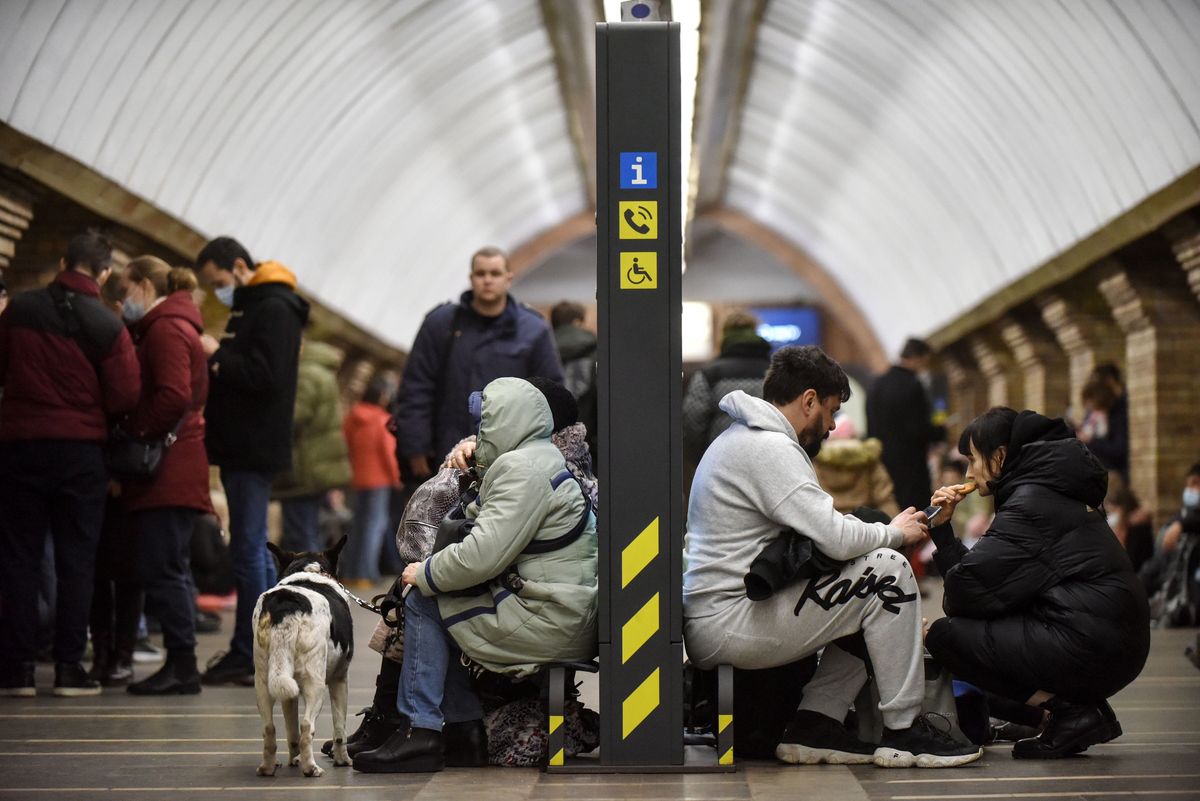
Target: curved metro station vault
<point>925,156</point>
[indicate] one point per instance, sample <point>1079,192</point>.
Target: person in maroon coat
<point>166,327</point>
<point>66,365</point>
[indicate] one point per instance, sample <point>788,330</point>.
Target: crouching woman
<point>1045,609</point>
<point>533,546</point>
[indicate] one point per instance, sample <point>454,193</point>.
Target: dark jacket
<point>577,351</point>
<point>174,388</point>
<point>1049,562</point>
<point>742,363</point>
<point>899,416</point>
<point>253,376</point>
<point>1113,448</point>
<point>458,352</point>
<point>320,459</point>
<point>64,373</point>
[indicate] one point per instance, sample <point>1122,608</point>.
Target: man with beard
<point>757,480</point>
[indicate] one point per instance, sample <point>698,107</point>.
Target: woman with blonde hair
<point>166,328</point>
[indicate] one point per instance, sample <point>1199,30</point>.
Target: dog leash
<point>370,607</point>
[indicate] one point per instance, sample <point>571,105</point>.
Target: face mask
<point>132,311</point>
<point>225,294</point>
<point>1113,520</point>
<point>1191,497</point>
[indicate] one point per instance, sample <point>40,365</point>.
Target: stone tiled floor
<point>207,746</point>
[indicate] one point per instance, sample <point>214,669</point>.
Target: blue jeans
<point>248,494</point>
<point>300,532</point>
<point>360,559</point>
<point>435,688</point>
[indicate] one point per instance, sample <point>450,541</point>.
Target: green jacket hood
<point>514,413</point>
<point>321,354</point>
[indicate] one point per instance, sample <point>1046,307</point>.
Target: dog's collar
<point>311,574</point>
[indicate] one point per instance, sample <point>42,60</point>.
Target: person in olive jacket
<point>320,459</point>
<point>1045,609</point>
<point>251,403</point>
<point>166,328</point>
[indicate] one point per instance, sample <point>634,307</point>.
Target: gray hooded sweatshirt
<point>754,481</point>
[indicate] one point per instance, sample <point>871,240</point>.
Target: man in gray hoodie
<point>755,481</point>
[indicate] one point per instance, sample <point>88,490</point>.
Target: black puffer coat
<point>1050,575</point>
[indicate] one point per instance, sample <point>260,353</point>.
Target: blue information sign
<point>639,170</point>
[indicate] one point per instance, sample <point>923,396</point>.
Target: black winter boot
<point>177,676</point>
<point>407,751</point>
<point>17,680</point>
<point>101,655</point>
<point>1072,728</point>
<point>120,668</point>
<point>71,681</point>
<point>466,744</point>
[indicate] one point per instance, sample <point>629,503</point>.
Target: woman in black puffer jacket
<point>1046,609</point>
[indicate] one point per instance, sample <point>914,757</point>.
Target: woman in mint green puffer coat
<point>547,613</point>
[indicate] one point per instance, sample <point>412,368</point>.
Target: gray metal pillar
<point>639,246</point>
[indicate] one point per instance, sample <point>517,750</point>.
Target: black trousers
<point>165,547</point>
<point>54,486</point>
<point>1006,657</point>
<point>117,596</point>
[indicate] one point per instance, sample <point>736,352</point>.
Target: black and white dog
<point>303,641</point>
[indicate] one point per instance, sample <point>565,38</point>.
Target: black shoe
<point>101,656</point>
<point>177,676</point>
<point>118,674</point>
<point>207,622</point>
<point>923,745</point>
<point>368,714</point>
<point>1005,731</point>
<point>409,750</point>
<point>466,744</point>
<point>1072,728</point>
<point>71,681</point>
<point>16,680</point>
<point>146,652</point>
<point>812,738</point>
<point>229,668</point>
<point>372,733</point>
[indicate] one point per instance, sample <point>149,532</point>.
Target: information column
<point>639,243</point>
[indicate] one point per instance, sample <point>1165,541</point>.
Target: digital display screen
<point>788,325</point>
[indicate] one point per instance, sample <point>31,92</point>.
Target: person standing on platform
<point>374,475</point>
<point>67,365</point>
<point>1106,428</point>
<point>459,349</point>
<point>742,363</point>
<point>900,416</point>
<point>320,461</point>
<point>162,509</point>
<point>252,398</point>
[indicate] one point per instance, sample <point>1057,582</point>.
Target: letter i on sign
<point>639,170</point>
<point>638,180</point>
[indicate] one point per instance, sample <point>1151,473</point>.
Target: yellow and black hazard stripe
<point>639,627</point>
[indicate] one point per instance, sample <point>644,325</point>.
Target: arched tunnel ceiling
<point>371,145</point>
<point>930,153</point>
<point>926,153</point>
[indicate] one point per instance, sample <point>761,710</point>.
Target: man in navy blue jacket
<point>460,348</point>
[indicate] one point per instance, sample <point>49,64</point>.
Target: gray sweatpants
<point>875,594</point>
